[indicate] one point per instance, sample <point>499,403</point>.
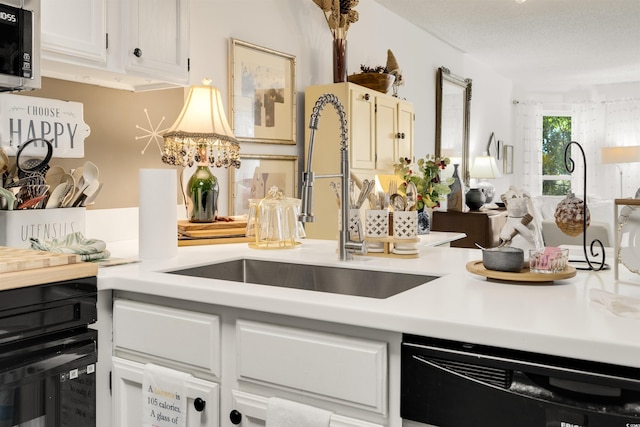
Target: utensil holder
<point>376,226</point>
<point>405,224</point>
<point>354,224</point>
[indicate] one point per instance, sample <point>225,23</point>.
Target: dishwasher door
<point>453,384</point>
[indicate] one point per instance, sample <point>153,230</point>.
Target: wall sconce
<point>485,167</point>
<point>619,155</point>
<point>201,134</point>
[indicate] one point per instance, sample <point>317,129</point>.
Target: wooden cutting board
<point>184,225</point>
<point>15,259</point>
<point>26,267</point>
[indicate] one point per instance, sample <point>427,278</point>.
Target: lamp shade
<point>201,123</point>
<point>485,167</point>
<point>626,154</point>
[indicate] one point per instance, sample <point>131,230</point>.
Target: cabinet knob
<point>235,417</point>
<point>400,135</point>
<point>366,96</point>
<point>199,404</point>
<point>137,52</point>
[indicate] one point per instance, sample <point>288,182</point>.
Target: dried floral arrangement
<point>340,14</point>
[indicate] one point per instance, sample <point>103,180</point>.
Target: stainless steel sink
<point>346,281</point>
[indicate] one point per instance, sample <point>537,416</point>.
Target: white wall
<point>298,27</point>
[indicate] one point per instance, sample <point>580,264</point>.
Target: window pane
<point>556,134</point>
<point>556,187</point>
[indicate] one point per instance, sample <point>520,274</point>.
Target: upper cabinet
<point>380,131</point>
<point>123,44</point>
<point>156,41</point>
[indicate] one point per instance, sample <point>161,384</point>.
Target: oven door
<point>49,383</point>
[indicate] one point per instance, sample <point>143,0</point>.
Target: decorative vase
<point>339,60</point>
<point>424,221</point>
<point>475,199</point>
<point>454,199</point>
<point>202,193</point>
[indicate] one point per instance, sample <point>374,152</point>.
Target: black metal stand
<point>570,165</point>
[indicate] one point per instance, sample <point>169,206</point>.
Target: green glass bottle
<point>202,192</point>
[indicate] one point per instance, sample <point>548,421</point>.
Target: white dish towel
<point>164,397</point>
<point>285,413</point>
<point>617,304</point>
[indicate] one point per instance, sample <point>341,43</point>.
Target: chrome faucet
<point>346,246</point>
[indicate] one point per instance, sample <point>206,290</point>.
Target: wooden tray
<point>184,225</point>
<point>476,267</point>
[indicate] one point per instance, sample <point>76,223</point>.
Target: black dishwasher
<point>453,384</point>
<point>48,354</point>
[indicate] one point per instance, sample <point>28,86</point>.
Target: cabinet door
<point>386,131</point>
<point>404,140</point>
<point>127,397</point>
<point>75,28</point>
<point>252,409</point>
<point>361,125</point>
<point>157,38</point>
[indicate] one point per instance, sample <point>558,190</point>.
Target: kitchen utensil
<point>336,189</point>
<point>9,199</point>
<point>90,189</point>
<point>33,164</point>
<point>367,187</point>
<point>54,176</point>
<point>92,196</point>
<point>507,259</point>
<point>397,202</point>
<point>412,196</point>
<point>57,195</point>
<point>4,164</point>
<point>70,182</point>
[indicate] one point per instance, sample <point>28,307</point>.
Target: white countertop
<point>557,318</point>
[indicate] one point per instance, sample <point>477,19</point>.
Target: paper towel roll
<point>158,214</point>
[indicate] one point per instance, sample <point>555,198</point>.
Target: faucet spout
<point>346,246</point>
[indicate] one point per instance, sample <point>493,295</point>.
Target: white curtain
<point>594,125</point>
<point>529,130</point>
<point>587,128</point>
<point>622,129</point>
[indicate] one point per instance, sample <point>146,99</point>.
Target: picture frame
<point>262,94</point>
<point>255,177</point>
<point>508,159</point>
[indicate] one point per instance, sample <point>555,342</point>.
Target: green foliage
<point>426,176</point>
<point>556,134</point>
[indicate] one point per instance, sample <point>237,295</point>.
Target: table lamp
<point>201,135</point>
<point>619,155</point>
<point>485,167</point>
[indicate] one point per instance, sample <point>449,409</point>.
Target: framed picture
<point>508,159</point>
<point>257,174</point>
<point>262,94</point>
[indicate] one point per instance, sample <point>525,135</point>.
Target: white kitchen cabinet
<point>156,41</point>
<point>347,370</point>
<point>343,369</point>
<point>127,380</point>
<point>252,409</point>
<point>380,131</point>
<point>75,29</point>
<point>122,44</point>
<point>150,332</point>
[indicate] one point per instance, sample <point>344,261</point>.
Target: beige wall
<point>112,116</point>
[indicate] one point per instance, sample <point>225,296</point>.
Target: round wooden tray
<point>476,267</point>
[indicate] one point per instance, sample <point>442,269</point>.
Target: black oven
<point>19,44</point>
<point>48,355</point>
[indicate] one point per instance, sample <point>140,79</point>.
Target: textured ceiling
<point>552,44</point>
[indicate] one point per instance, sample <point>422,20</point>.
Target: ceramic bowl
<point>503,259</point>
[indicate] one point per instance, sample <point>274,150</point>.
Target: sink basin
<point>337,280</point>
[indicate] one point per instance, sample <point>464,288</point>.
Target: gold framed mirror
<point>453,113</point>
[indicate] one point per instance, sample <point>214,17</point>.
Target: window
<point>556,134</point>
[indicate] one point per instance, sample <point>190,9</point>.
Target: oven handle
<point>524,363</point>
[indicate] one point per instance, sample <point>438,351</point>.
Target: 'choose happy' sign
<point>23,118</point>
